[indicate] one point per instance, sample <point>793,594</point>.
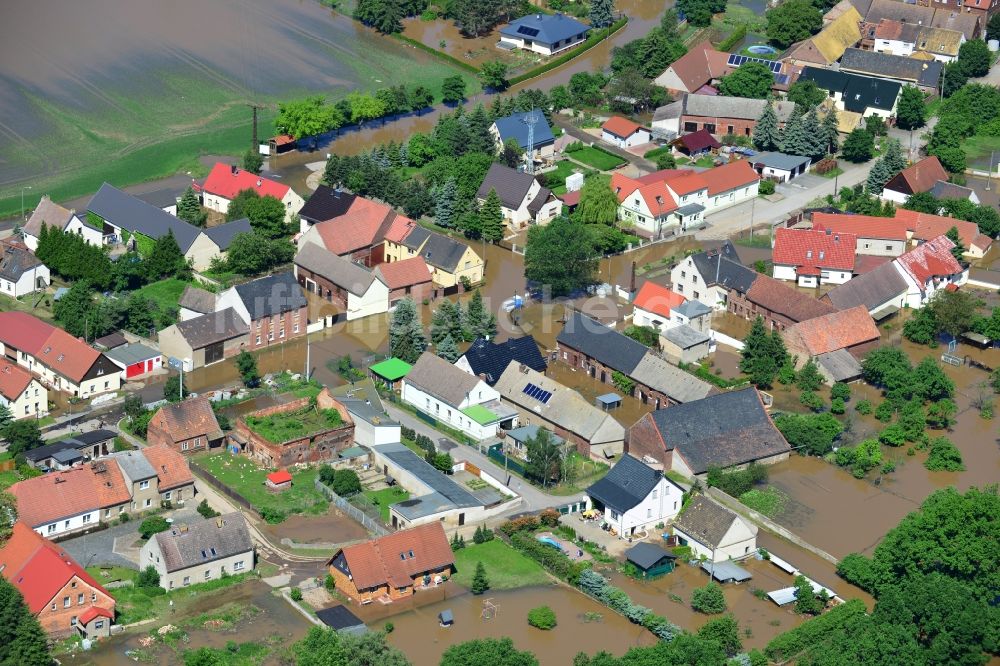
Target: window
<point>729,129</point>
<point>79,599</point>
<point>281,333</point>
<point>197,442</point>
<point>697,295</point>
<point>167,495</point>
<point>26,408</point>
<point>86,518</point>
<point>690,127</point>
<point>259,322</point>
<point>656,493</point>
<point>187,580</point>
<point>258,339</point>
<point>106,384</point>
<point>72,621</point>
<point>143,485</point>
<point>649,513</point>
<point>208,574</point>
<point>148,503</point>
<point>683,274</point>
<point>53,605</point>
<point>184,446</point>
<point>238,566</point>
<point>710,127</point>
<point>65,602</point>
<point>99,624</point>
<point>270,336</point>
<point>295,328</point>
<point>107,513</point>
<point>66,525</point>
<point>615,515</point>
<point>887,247</point>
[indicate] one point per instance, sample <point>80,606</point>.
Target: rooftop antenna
<point>530,119</point>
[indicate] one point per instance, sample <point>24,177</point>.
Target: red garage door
<point>135,369</point>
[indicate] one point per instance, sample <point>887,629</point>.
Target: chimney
<point>522,368</point>
<point>259,182</point>
<point>235,169</point>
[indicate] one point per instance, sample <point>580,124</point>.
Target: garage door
<point>213,353</point>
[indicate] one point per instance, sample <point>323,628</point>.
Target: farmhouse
<point>836,341</point>
<point>22,394</point>
<point>372,425</point>
<point>623,132</point>
<point>882,292</point>
<point>906,39</point>
<point>829,45</point>
<point>865,95</point>
<point>273,307</point>
<point>54,216</point>
<point>701,65</point>
<point>451,262</point>
<point>357,234</point>
<point>488,360</point>
<point>812,257</point>
<point>711,276</point>
<point>543,33</point>
<point>21,272</point>
<point>207,549</point>
<point>929,267</point>
<point>195,302</point>
<point>409,278</point>
<point>187,427</point>
<point>722,116</point>
<point>222,235</point>
<point>652,305</point>
<point>224,182</point>
<point>918,177</point>
<point>522,199</point>
<point>924,227</point>
<point>876,236</point>
<point>356,290</point>
<point>714,532</point>
<point>778,304</point>
<point>205,339</point>
<point>634,497</point>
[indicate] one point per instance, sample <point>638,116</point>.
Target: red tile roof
<point>223,182</point>
<point>807,247</point>
<point>281,476</point>
<point>737,173</point>
<point>698,141</point>
<point>837,330</point>
<point>38,568</point>
<point>189,418</point>
<point>866,263</point>
<point>93,613</point>
<point>687,184</point>
<point>658,198</point>
<point>57,495</point>
<point>66,355</point>
<point>387,560</point>
<point>889,29</point>
<point>862,226</point>
<point>926,226</point>
<point>365,224</point>
<point>661,176</point>
<point>657,299</point>
<point>621,127</point>
<point>570,198</point>
<point>778,297</point>
<point>930,259</point>
<point>110,486</point>
<point>172,469</point>
<point>919,177</point>
<point>399,229</point>
<point>23,332</point>
<point>405,273</point>
<point>13,380</point>
<point>283,139</point>
<point>700,65</point>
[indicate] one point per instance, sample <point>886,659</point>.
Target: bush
<point>554,560</point>
<point>814,632</point>
<point>482,535</point>
<point>480,583</point>
<point>206,511</point>
<point>542,617</point>
<point>153,525</point>
<point>944,456</point>
<point>841,390</point>
<point>892,436</point>
<point>296,594</point>
<point>737,482</point>
<point>346,482</point>
<point>864,407</point>
<point>519,524</point>
<point>766,187</point>
<point>549,517</point>
<point>147,578</point>
<point>837,406</point>
<point>708,600</point>
<point>330,583</point>
<point>457,542</point>
<point>389,627</point>
<point>272,515</point>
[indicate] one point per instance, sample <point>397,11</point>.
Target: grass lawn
<point>7,479</point>
<point>656,152</point>
<point>583,473</point>
<point>26,304</point>
<point>291,425</point>
<point>597,157</point>
<point>978,148</point>
<point>246,478</point>
<point>506,568</point>
<point>166,293</point>
<point>769,501</point>
<point>385,497</point>
<point>832,173</point>
<point>706,161</point>
<point>557,177</point>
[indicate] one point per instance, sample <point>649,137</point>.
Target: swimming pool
<point>549,541</point>
<point>762,49</point>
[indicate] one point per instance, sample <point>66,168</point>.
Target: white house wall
<point>33,401</point>
<point>80,521</point>
<point>660,505</point>
<point>451,414</point>
<point>374,301</point>
<point>880,247</point>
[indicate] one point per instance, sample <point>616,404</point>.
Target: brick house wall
<point>317,447</point>
<point>644,439</point>
<point>59,622</point>
<point>346,586</point>
<point>324,288</point>
<point>157,433</point>
<point>417,292</point>
<point>742,306</point>
<point>278,328</point>
<point>604,374</point>
<point>717,125</point>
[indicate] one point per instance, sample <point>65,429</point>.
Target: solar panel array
<point>736,60</point>
<point>539,394</point>
<point>525,30</point>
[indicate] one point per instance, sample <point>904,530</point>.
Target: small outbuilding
<point>446,618</point>
<point>278,481</point>
<point>342,620</point>
<point>651,560</point>
<point>696,143</point>
<point>390,371</point>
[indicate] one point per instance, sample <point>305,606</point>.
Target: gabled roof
<point>515,127</point>
<point>645,555</point>
<point>660,375</point>
<point>945,190</point>
<point>777,160</point>
<point>627,484</point>
<point>388,559</point>
<point>136,216</point>
<point>50,213</point>
<point>16,261</point>
<point>131,354</point>
<point>658,198</point>
<point>511,186</point>
<point>14,380</point>
<point>93,613</point>
<point>742,108</point>
<point>204,541</point>
<point>814,247</point>
<point>722,267</point>
<point>861,226</point>
<point>326,203</point>
<point>919,177</point>
<point>730,176</point>
<point>197,300</point>
<point>436,376</point>
<point>963,22</point>
<point>134,465</point>
<point>608,346</point>
<point>490,359</point>
<point>212,327</point>
<point>66,355</point>
<point>859,92</point>
<point>189,418</point>
<point>227,181</point>
<point>162,198</point>
<point>172,469</point>
<point>926,226</point>
<point>840,34</point>
<point>698,66</point>
<point>223,234</point>
<point>707,521</point>
<point>837,330</point>
<point>443,252</point>
<point>621,127</point>
<point>698,141</point>
<point>778,297</point>
<point>871,290</point>
<point>405,273</point>
<point>901,68</point>
<point>22,331</point>
<point>545,28</point>
<point>38,568</point>
<point>271,295</point>
<point>54,496</point>
<point>930,259</point>
<point>363,225</point>
<point>899,11</point>
<point>657,299</point>
<point>340,271</point>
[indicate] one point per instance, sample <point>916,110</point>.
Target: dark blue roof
<point>545,28</point>
<point>514,127</point>
<point>127,212</point>
<point>223,234</point>
<point>613,349</point>
<point>628,483</point>
<point>491,359</point>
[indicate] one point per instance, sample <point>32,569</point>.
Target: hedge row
<point>593,40</point>
<point>552,559</point>
<point>595,585</point>
<point>440,54</point>
<point>791,643</point>
<point>702,372</point>
<point>733,39</point>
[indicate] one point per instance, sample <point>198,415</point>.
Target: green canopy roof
<point>480,414</point>
<point>392,369</point>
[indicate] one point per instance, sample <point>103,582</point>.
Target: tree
<point>542,617</point>
<point>598,202</point>
<point>448,350</point>
<point>601,13</point>
<point>406,335</point>
<point>974,58</point>
<point>246,364</point>
<point>453,89</point>
<point>491,218</point>
<point>666,161</point>
<point>153,525</point>
<point>493,75</point>
<point>22,435</point>
<point>493,651</point>
<point>699,12</point>
<point>189,208</point>
<point>8,510</point>
<point>445,213</point>
<point>267,216</point>
<point>708,600</point>
<point>831,130</point>
<point>22,641</point>
<point>480,322</point>
<point>893,156</point>
<point>172,389</point>
<point>480,583</point>
<point>205,511</point>
<point>561,255</point>
<point>763,355</point>
<point>752,80</point>
<point>307,117</point>
<point>252,161</point>
<point>814,145</point>
<point>812,434</point>
<point>911,112</point>
<point>878,176</point>
<point>805,597</point>
<point>326,647</point>
<point>252,253</point>
<point>74,310</point>
<point>809,377</point>
<point>544,457</point>
<point>958,251</point>
<point>858,147</point>
<point>447,321</point>
<point>766,132</point>
<point>944,456</point>
<point>346,482</point>
<point>725,631</point>
<point>792,22</point>
<point>954,311</point>
<point>6,417</point>
<point>806,94</point>
<point>166,259</point>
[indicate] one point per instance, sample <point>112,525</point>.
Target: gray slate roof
<point>271,295</point>
<point>134,215</point>
<point>724,429</point>
<point>659,374</point>
<point>685,337</point>
<point>511,185</point>
<point>627,483</point>
<point>445,493</point>
<point>871,289</point>
<point>134,465</point>
<point>15,262</point>
<point>416,237</point>
<point>326,203</point>
<point>901,68</point>
<point>859,92</point>
<point>705,520</point>
<point>161,198</point>
<point>726,265</point>
<point>490,359</point>
<point>734,107</point>
<point>197,300</point>
<point>436,376</point>
<point>442,252</point>
<point>514,127</point>
<point>341,271</point>
<point>212,327</point>
<point>204,541</point>
<point>613,349</point>
<point>223,234</point>
<point>840,364</point>
<point>550,28</point>
<point>645,555</point>
<point>131,353</point>
<point>945,190</point>
<point>693,309</point>
<point>779,160</point>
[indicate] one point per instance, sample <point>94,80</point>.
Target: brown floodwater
<point>277,621</point>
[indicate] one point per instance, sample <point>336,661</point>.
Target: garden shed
<point>651,560</point>
<point>391,371</point>
<point>278,481</point>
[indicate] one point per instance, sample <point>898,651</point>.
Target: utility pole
<point>307,355</point>
<point>989,172</point>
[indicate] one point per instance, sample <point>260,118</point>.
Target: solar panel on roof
<point>525,30</point>
<point>539,394</point>
<point>736,60</point>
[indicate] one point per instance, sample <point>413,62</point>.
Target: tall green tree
<point>448,350</point>
<point>766,132</point>
<point>753,80</point>
<point>22,641</point>
<point>22,435</point>
<point>763,355</point>
<point>480,322</point>
<point>699,12</point>
<point>307,117</point>
<point>598,202</point>
<point>544,458</point>
<point>794,140</point>
<point>246,365</point>
<point>974,58</point>
<point>814,144</point>
<point>251,253</point>
<point>453,89</point>
<point>959,250</point>
<point>447,321</point>
<point>445,212</point>
<point>601,13</point>
<point>478,123</point>
<point>806,93</point>
<point>892,153</point>
<point>406,335</point>
<point>172,389</point>
<point>911,111</point>
<point>491,218</point>
<point>831,130</point>
<point>878,177</point>
<point>189,208</point>
<point>792,22</point>
<point>480,583</point>
<point>561,255</point>
<point>252,161</point>
<point>326,647</point>
<point>166,260</point>
<point>75,310</point>
<point>858,147</point>
<point>493,651</point>
<point>493,75</point>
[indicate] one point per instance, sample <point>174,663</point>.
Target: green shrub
<point>542,617</point>
<point>814,632</point>
<point>206,511</point>
<point>837,406</point>
<point>553,560</point>
<point>944,456</point>
<point>864,407</point>
<point>708,600</point>
<point>766,187</point>
<point>147,578</point>
<point>272,515</point>
<point>330,583</point>
<point>296,594</point>
<point>841,390</point>
<point>153,525</point>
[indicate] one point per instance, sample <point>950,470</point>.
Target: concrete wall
<point>880,247</point>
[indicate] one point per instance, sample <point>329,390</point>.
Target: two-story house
<point>224,182</point>
<point>23,395</point>
<point>711,276</point>
<point>905,39</point>
<point>273,307</point>
<point>928,268</point>
<point>54,216</point>
<point>141,477</point>
<point>522,200</point>
<point>358,291</point>
<point>876,236</point>
<point>200,551</point>
<point>451,262</point>
<point>813,257</point>
<point>529,130</point>
<point>357,234</point>
<point>187,427</point>
<point>714,532</point>
<point>635,497</point>
<point>21,272</point>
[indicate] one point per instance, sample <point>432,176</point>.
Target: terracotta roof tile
<point>388,559</point>
<point>405,273</point>
<point>110,486</point>
<point>919,177</point>
<point>808,247</point>
<point>13,380</point>
<point>930,259</point>
<point>737,173</point>
<point>926,226</point>
<point>657,299</point>
<point>862,226</point>
<point>621,127</point>
<point>365,223</point>
<point>191,418</point>
<point>687,184</point>
<point>23,332</point>
<point>838,330</point>
<point>778,297</point>
<point>172,469</point>
<point>223,182</point>
<point>44,499</point>
<point>66,355</point>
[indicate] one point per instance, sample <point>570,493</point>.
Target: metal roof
<point>445,493</point>
<point>726,572</point>
<point>131,354</point>
<point>645,555</point>
<point>515,127</point>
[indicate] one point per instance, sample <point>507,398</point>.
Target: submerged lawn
<point>506,568</point>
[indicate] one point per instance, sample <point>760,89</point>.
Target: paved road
<point>534,498</point>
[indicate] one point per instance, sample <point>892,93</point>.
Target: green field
<point>506,568</point>
<point>597,157</point>
<point>386,497</point>
<point>292,425</point>
<point>977,150</point>
<point>166,293</point>
<point>245,477</point>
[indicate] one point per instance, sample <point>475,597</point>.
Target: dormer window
<point>809,254</point>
